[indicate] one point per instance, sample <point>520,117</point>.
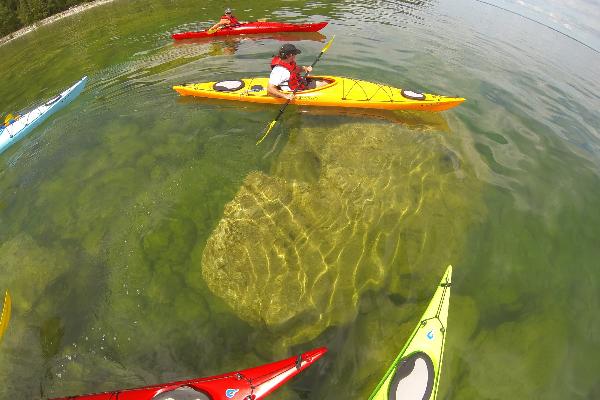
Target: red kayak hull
<point>252,28</point>
<point>253,383</point>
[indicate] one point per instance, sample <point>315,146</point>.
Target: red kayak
<point>253,27</point>
<point>249,384</point>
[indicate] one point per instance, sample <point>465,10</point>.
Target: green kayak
<point>415,373</point>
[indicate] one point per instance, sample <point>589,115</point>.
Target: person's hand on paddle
<point>226,21</point>
<point>288,51</point>
<point>275,92</point>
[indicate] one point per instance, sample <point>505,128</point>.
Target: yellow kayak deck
<point>339,92</point>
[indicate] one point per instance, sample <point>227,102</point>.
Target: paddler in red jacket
<point>226,21</point>
<point>286,75</point>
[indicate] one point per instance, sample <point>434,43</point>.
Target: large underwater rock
<point>352,209</point>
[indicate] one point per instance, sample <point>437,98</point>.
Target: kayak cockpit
<point>413,378</point>
<point>329,83</point>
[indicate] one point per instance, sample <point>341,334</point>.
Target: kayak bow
<point>339,92</point>
<point>253,28</point>
<point>415,374</point>
<point>249,384</point>
<point>31,119</point>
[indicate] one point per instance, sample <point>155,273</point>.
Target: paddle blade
<point>5,314</point>
<point>328,45</point>
<point>212,30</point>
<point>271,125</point>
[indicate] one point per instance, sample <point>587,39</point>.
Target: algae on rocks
<point>378,207</point>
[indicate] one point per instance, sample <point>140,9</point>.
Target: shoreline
<point>53,18</point>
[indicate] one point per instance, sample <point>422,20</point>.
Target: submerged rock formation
<point>343,212</point>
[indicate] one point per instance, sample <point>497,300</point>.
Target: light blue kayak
<point>27,122</point>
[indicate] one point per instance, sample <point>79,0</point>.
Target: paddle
<point>8,118</point>
<point>272,124</point>
<point>213,30</point>
<point>5,314</point>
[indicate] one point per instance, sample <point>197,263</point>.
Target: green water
<point>145,237</point>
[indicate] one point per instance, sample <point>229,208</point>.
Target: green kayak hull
<point>415,373</point>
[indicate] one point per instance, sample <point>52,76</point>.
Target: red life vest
<point>232,20</point>
<point>296,80</point>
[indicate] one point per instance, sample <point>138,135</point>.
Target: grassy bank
<point>17,17</point>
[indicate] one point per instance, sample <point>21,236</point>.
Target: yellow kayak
<point>339,92</point>
<point>5,314</point>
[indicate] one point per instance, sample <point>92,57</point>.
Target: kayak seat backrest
<point>182,393</point>
<point>257,88</point>
<point>413,378</point>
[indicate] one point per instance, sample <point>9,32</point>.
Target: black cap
<point>288,48</point>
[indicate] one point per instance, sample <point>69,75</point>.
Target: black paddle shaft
<point>297,87</point>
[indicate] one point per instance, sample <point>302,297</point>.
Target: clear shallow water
<point>146,238</point>
<point>576,19</point>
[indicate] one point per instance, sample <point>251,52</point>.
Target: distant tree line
<point>15,14</point>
